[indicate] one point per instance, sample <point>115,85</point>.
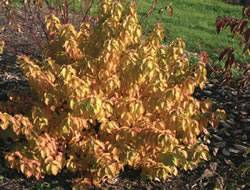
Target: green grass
<point>194,21</point>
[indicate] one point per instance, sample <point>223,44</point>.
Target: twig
<point>87,11</point>
<point>149,11</point>
<point>4,184</point>
<point>43,26</point>
<point>65,12</point>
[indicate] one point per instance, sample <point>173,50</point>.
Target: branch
<point>87,11</point>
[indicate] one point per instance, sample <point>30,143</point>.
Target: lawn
<point>194,21</point>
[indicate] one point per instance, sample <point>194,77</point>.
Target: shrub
<point>240,30</point>
<point>108,97</point>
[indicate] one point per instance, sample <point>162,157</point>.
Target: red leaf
<point>219,24</point>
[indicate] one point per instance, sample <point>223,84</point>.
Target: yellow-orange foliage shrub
<point>111,97</point>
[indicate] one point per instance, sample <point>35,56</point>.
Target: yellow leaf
<point>1,46</point>
<point>71,103</point>
<point>28,173</point>
<point>204,156</point>
<point>22,168</point>
<point>54,169</point>
<point>48,168</point>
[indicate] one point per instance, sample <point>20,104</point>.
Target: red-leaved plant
<point>239,27</point>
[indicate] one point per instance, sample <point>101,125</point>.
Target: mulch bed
<point>228,142</point>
